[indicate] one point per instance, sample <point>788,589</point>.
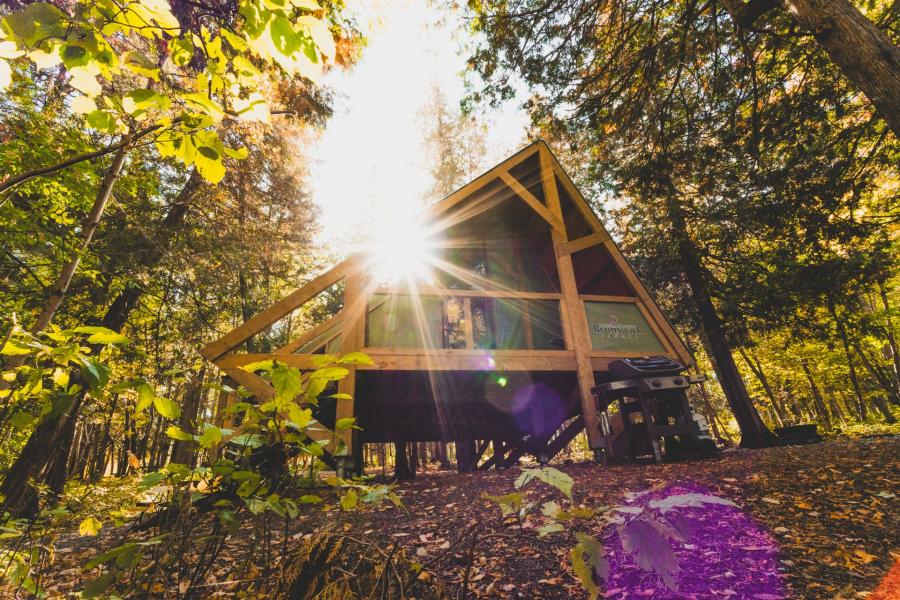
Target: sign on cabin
<point>622,327</point>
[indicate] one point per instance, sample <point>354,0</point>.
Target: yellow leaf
<point>803,505</point>
<point>89,526</point>
<point>83,105</point>
<point>45,60</point>
<point>864,556</point>
<point>9,49</point>
<point>319,32</point>
<point>85,83</point>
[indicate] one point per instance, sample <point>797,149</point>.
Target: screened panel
<point>508,324</point>
<point>546,325</point>
<point>620,326</point>
<point>394,322</point>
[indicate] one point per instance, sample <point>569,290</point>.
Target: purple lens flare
<point>725,554</point>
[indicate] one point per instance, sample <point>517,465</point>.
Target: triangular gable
<point>598,236</point>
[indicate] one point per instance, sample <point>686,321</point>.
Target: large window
<point>461,322</point>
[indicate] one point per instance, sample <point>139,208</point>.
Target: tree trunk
<point>465,456</point>
<point>402,470</point>
<point>854,380</point>
<point>861,51</point>
<point>754,433</point>
<point>889,334</point>
<point>816,394</point>
<point>190,408</point>
<point>88,228</point>
<point>20,498</point>
<point>757,370</point>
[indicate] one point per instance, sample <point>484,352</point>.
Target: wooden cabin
<point>526,302</point>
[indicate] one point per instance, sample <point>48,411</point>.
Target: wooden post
<point>352,328</point>
<point>576,334</point>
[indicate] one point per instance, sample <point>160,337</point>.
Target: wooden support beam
<point>579,334</point>
<point>522,192</point>
<point>483,293</point>
<point>562,438</point>
<point>592,239</point>
<point>355,304</point>
<point>607,298</point>
<point>313,334</point>
<point>621,262</point>
<point>255,384</point>
<point>479,182</point>
<point>500,449</point>
<point>580,202</point>
<point>292,301</point>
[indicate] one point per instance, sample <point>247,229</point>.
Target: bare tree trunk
<point>816,394</point>
<point>757,370</point>
<point>862,52</point>
<point>402,469</point>
<point>754,433</point>
<point>854,380</point>
<point>88,228</point>
<point>188,419</point>
<point>889,334</point>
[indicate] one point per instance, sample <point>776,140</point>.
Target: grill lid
<point>628,368</point>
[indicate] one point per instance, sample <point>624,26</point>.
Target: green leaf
<point>309,499</point>
<point>285,39</point>
<point>182,50</point>
<point>102,121</point>
<point>330,373</point>
<point>509,503</point>
<point>288,382</point>
<point>357,358</point>
<point>345,423</point>
<point>97,587</point>
<point>166,407</point>
<point>145,396</point>
<point>548,475</point>
<point>595,569</point>
<point>102,559</point>
<point>89,526</point>
<point>260,365</point>
<point>151,480</point>
<point>237,153</point>
<point>14,347</point>
<point>60,378</point>
<point>140,64</point>
<point>96,373</point>
<point>301,417</point>
<point>102,335</point>
<point>74,55</point>
<point>140,100</point>
<point>21,420</point>
<point>211,435</point>
<point>174,432</point>
<point>349,500</point>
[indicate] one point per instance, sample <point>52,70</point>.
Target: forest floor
<point>827,515</point>
<point>831,510</point>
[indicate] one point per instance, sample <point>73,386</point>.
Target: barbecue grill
<point>651,397</point>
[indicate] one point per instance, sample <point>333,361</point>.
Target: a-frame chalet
<point>529,301</point>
